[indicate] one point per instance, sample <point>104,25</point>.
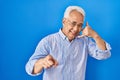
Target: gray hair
<point>71,8</point>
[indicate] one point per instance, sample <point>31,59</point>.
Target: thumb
<point>87,23</point>
<point>55,63</point>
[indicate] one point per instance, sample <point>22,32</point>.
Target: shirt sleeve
<point>41,51</point>
<point>97,53</point>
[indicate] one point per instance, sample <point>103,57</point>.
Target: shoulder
<point>50,37</point>
<point>83,38</point>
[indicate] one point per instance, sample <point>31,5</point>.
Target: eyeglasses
<point>73,24</point>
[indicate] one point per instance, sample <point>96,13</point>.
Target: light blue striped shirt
<point>71,56</point>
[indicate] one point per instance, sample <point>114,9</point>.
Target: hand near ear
<point>88,31</point>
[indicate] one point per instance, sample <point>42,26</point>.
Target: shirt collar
<point>62,34</point>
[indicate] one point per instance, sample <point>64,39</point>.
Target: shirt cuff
<point>108,48</point>
<point>30,66</point>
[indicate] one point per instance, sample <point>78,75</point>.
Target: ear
<point>63,21</point>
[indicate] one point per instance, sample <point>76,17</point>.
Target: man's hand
<point>46,62</point>
<point>88,31</point>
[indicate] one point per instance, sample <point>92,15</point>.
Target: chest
<point>64,51</point>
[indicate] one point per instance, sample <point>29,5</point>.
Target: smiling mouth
<point>73,33</point>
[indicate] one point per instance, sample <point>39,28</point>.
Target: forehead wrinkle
<point>76,16</point>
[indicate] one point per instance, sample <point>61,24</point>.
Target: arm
<point>41,52</point>
<point>99,41</point>
<point>88,31</point>
<point>40,59</point>
<point>98,49</point>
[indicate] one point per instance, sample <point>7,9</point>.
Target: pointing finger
<point>55,63</point>
<point>50,62</point>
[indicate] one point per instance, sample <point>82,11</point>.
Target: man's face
<point>73,24</point>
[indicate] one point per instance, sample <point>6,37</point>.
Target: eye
<point>80,25</point>
<point>74,23</point>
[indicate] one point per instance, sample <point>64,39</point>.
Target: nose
<point>75,28</point>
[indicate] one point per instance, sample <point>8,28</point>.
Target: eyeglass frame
<point>73,24</point>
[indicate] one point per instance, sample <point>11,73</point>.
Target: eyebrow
<point>76,22</point>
